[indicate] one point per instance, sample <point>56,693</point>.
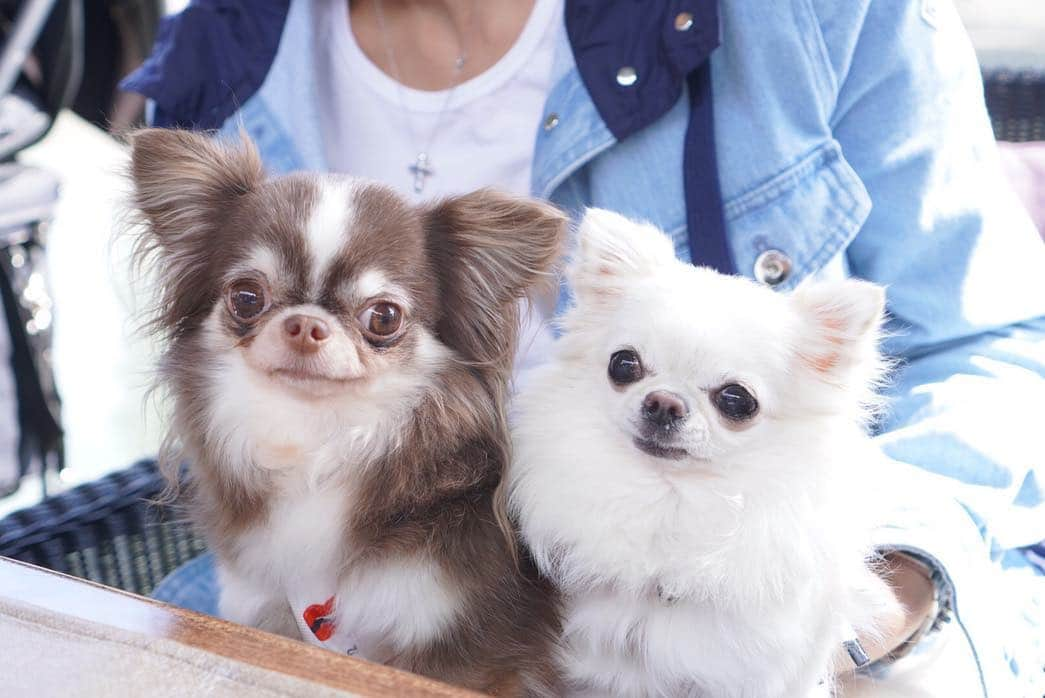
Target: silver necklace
<point>421,168</point>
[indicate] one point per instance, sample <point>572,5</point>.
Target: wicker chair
<point>1016,103</point>
<point>109,531</point>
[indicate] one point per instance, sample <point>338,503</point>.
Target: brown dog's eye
<point>246,299</point>
<point>381,320</point>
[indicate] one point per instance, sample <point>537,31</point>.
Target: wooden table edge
<point>92,602</point>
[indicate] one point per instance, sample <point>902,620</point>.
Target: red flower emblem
<point>317,618</point>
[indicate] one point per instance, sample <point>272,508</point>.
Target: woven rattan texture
<point>1016,102</point>
<point>109,531</point>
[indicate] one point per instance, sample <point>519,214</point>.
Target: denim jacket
<point>842,137</point>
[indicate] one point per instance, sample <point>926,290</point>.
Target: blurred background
<point>68,299</point>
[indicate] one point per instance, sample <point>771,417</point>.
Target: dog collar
<point>318,625</point>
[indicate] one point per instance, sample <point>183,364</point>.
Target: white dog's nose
<point>664,409</point>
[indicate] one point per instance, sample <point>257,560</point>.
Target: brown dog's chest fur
<point>434,497</point>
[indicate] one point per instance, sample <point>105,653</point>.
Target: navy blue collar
<point>663,41</point>
<point>208,60</point>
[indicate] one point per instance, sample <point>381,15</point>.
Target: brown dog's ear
<point>489,250</point>
<point>182,185</point>
<point>181,180</point>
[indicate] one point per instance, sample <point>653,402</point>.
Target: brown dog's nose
<point>664,409</point>
<point>305,333</point>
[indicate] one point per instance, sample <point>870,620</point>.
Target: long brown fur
<point>466,261</point>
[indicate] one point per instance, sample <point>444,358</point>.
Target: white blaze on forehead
<point>328,223</point>
<point>371,283</point>
<point>263,259</point>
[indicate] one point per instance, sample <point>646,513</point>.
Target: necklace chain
<point>421,168</point>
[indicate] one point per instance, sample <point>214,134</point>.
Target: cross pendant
<point>421,171</point>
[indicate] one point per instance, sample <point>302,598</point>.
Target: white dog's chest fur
<point>617,643</point>
<point>759,616</point>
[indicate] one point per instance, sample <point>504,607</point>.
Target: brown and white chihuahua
<point>337,362</point>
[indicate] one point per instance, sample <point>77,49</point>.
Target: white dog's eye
<point>735,402</point>
<point>625,367</point>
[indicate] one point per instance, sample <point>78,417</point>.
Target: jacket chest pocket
<point>795,223</point>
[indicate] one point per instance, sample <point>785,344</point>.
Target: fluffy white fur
<point>731,571</point>
<point>326,226</point>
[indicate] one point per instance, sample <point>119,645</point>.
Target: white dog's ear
<point>613,249</point>
<point>843,321</point>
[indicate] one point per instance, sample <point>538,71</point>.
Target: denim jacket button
<point>551,121</point>
<point>683,21</point>
<point>626,76</point>
<point>772,267</point>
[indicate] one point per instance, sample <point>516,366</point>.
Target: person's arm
<point>965,273</point>
<point>913,586</point>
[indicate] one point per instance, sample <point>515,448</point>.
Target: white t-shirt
<point>375,127</point>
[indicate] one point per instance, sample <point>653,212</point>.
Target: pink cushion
<point>1024,164</point>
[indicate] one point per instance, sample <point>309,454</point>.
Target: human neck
<point>427,37</point>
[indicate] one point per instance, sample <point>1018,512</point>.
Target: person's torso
<point>791,201</point>
<point>778,161</point>
<point>430,144</point>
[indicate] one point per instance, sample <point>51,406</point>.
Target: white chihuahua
<point>688,472</point>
